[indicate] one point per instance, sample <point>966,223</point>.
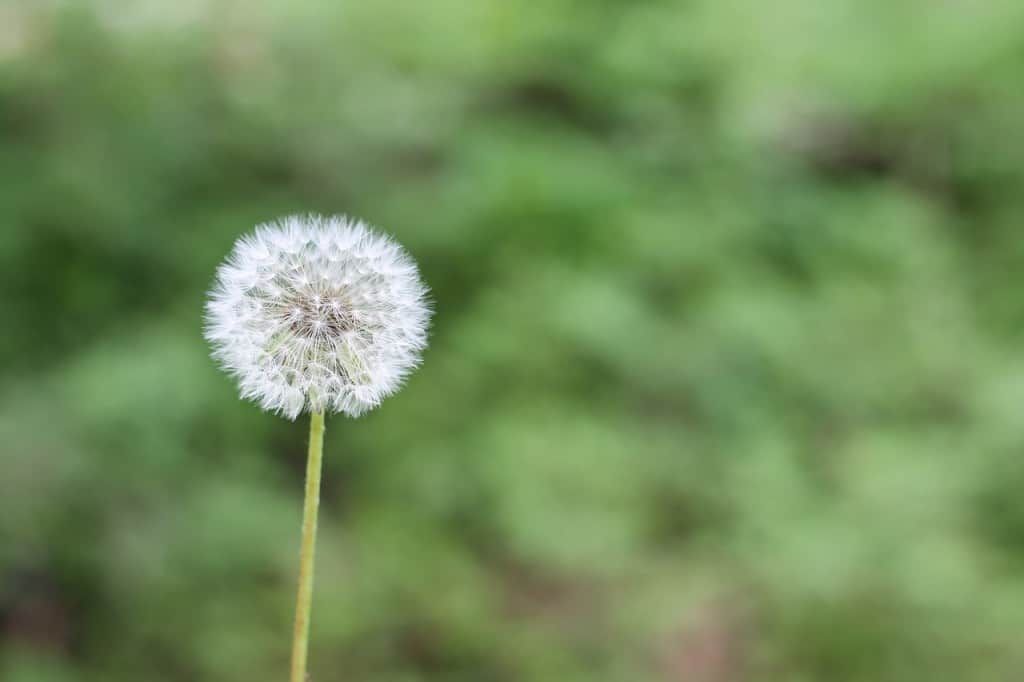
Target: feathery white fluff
<point>315,314</point>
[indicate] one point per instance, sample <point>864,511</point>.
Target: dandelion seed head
<point>315,313</point>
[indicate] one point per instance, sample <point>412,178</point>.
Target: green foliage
<point>726,377</point>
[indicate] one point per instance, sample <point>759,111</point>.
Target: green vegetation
<point>726,378</point>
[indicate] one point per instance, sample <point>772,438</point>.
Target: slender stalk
<point>300,641</point>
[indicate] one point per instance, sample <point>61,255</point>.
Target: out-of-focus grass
<point>725,379</point>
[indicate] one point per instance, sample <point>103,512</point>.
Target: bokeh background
<point>726,379</point>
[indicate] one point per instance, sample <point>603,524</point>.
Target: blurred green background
<point>726,378</point>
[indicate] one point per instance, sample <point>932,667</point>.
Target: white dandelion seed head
<point>316,314</point>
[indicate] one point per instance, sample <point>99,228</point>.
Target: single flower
<point>318,314</point>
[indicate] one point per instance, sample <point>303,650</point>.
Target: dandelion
<point>316,314</point>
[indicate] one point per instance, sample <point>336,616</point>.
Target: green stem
<point>300,642</point>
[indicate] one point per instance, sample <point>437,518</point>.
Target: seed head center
<point>316,315</point>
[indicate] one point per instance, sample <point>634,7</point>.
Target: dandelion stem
<point>300,642</point>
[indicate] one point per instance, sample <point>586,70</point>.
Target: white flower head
<point>316,314</point>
